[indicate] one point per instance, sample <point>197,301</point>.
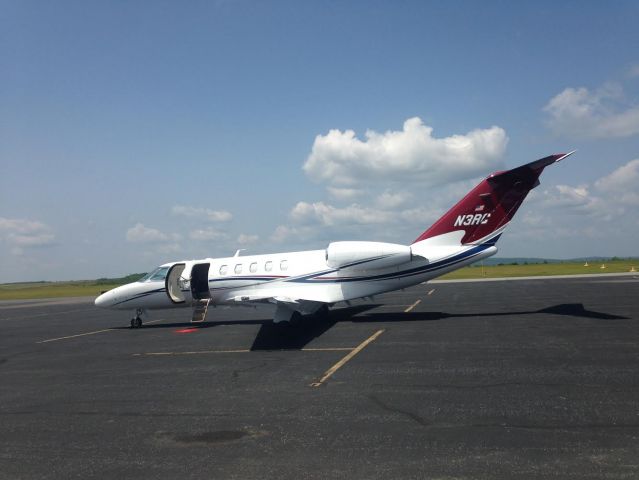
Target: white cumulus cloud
<point>202,213</point>
<point>621,186</point>
<point>411,154</point>
<point>247,239</point>
<point>206,234</point>
<point>393,199</point>
<point>623,179</point>
<point>608,198</point>
<point>22,233</point>
<point>344,193</point>
<point>143,234</point>
<point>328,215</point>
<point>282,233</point>
<point>566,196</point>
<point>603,113</point>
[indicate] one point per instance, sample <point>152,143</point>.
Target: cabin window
<point>284,265</point>
<point>253,267</point>
<point>224,269</point>
<point>268,266</point>
<point>238,268</point>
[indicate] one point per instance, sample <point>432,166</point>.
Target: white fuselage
<point>299,275</point>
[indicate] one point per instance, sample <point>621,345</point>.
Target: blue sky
<point>134,133</point>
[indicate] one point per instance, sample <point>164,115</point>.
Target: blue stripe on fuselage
<point>316,277</point>
<point>141,295</point>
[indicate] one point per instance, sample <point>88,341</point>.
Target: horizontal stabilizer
<point>530,169</point>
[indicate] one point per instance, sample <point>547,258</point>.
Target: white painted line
<point>90,333</point>
<point>75,336</point>
<point>343,361</point>
<point>412,306</point>
<point>431,291</point>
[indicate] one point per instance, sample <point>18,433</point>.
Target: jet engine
<point>366,255</point>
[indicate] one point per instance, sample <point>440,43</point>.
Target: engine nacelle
<point>366,255</point>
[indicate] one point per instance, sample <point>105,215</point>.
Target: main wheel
<point>138,322</point>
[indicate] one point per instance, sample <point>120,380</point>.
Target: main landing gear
<point>136,322</point>
<point>287,317</point>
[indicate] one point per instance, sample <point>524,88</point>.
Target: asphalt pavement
<point>514,379</point>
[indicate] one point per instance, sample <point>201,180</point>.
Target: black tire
<point>138,322</point>
<point>133,323</point>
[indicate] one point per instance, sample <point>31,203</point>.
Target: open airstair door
<point>200,281</point>
<point>174,282</point>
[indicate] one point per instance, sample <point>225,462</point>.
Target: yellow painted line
<point>431,291</point>
<point>198,352</point>
<point>328,349</point>
<point>348,357</point>
<point>208,352</point>
<point>412,306</point>
<point>88,333</point>
<point>390,305</point>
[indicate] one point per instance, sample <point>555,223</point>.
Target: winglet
<point>561,156</point>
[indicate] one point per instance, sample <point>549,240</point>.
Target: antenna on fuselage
<point>237,254</point>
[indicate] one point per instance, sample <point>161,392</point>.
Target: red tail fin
<point>488,207</point>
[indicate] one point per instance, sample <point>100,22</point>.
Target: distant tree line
<point>133,277</point>
<point>537,261</point>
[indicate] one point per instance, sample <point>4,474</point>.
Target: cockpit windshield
<point>157,275</point>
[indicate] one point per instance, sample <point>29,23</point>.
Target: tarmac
<point>464,380</point>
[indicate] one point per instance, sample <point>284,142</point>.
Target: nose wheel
<point>136,322</point>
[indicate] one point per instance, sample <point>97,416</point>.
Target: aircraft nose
<point>104,300</point>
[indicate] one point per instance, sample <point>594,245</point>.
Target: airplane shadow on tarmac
<point>568,309</point>
<point>273,336</point>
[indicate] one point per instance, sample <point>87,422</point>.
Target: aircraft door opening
<point>173,284</point>
<point>200,281</point>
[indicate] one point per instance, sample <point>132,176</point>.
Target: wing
<point>301,305</point>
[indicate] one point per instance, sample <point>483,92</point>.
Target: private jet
<point>310,282</point>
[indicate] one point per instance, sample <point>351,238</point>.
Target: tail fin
<point>484,212</point>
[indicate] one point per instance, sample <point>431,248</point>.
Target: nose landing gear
<point>136,322</point>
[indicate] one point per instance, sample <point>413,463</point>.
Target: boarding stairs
<point>199,310</point>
